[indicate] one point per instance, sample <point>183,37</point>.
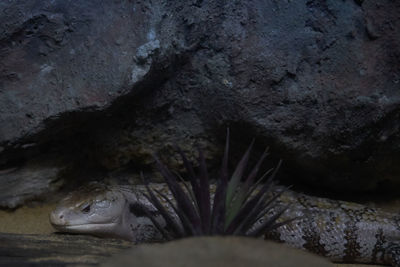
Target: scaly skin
<point>341,231</point>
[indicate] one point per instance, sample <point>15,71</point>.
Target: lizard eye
<point>103,204</point>
<point>86,209</point>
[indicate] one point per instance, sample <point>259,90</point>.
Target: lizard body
<point>342,231</point>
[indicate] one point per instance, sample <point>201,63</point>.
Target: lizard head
<point>93,209</point>
<point>105,211</point>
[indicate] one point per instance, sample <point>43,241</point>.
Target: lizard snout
<point>57,217</point>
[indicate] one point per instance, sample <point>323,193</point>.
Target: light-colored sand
<point>27,220</point>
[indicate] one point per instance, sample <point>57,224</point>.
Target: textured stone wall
<point>91,87</point>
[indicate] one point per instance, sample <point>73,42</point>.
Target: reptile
<point>341,231</point>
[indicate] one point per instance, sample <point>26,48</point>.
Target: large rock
<point>63,56</point>
<point>215,252</point>
<point>62,64</point>
<point>102,85</point>
<point>319,80</point>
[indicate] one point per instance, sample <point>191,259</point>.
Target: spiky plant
<point>236,208</point>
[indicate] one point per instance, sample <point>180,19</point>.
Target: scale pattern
<point>342,231</point>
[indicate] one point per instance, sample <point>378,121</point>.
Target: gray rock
<point>64,56</point>
<point>19,185</point>
<point>215,252</point>
<point>103,85</point>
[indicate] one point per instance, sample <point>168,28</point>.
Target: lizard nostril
<point>61,216</point>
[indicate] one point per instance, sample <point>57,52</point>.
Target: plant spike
<point>219,207</point>
<point>191,174</point>
<point>163,232</point>
<point>190,191</point>
<point>237,175</point>
<point>184,219</point>
<point>205,205</point>
<point>261,210</point>
<point>182,199</point>
<point>241,193</point>
<point>252,206</point>
<point>247,216</point>
<point>238,208</point>
<point>154,200</point>
<point>267,205</point>
<point>256,185</point>
<point>250,179</point>
<point>267,223</point>
<point>269,181</point>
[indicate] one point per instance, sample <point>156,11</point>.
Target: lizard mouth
<point>85,228</point>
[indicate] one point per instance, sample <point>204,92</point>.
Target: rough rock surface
<point>215,252</point>
<point>20,185</point>
<point>101,85</point>
<point>56,250</point>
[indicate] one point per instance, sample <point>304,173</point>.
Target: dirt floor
<point>27,220</point>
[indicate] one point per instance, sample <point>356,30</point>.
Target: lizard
<point>339,230</point>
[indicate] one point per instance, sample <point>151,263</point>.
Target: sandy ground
<point>27,220</point>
